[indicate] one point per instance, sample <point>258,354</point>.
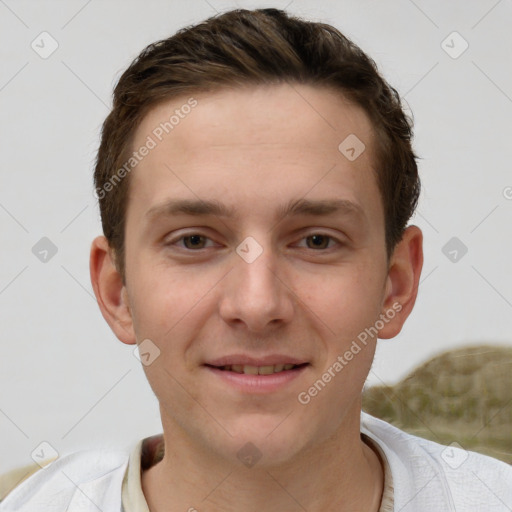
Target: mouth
<point>250,375</point>
<point>259,370</point>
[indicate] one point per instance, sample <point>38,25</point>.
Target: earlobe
<point>402,281</point>
<point>110,292</point>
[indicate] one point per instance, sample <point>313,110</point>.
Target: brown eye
<point>318,241</point>
<point>188,242</point>
<point>194,241</point>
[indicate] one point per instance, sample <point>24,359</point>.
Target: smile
<point>251,379</point>
<point>258,370</point>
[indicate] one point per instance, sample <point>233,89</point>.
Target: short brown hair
<point>255,47</point>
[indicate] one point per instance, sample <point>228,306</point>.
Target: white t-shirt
<point>424,477</point>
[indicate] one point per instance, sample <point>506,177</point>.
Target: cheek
<point>160,292</point>
<point>346,301</point>
<point>170,306</point>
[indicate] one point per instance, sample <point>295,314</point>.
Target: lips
<point>251,376</point>
<point>248,365</point>
<point>258,370</point>
<point>243,359</point>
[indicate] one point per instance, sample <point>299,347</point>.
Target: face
<point>253,241</point>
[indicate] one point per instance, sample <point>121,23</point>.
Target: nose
<point>256,293</point>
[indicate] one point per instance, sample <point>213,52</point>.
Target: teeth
<point>266,370</point>
<point>251,370</point>
<point>258,370</point>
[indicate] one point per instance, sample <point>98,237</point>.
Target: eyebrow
<point>296,207</point>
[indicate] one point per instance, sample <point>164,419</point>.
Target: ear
<point>110,292</point>
<point>402,282</point>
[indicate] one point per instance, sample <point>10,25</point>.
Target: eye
<point>197,241</point>
<point>319,241</point>
<point>191,241</point>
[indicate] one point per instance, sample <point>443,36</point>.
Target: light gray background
<point>64,377</point>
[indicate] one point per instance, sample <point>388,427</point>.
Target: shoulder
<point>65,483</point>
<point>14,477</point>
<point>428,474</point>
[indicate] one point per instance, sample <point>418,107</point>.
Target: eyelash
<point>191,234</point>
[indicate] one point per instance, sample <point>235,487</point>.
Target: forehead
<point>250,115</point>
<point>264,142</point>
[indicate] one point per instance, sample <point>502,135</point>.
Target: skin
<point>255,149</point>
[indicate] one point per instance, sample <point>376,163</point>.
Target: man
<point>255,180</point>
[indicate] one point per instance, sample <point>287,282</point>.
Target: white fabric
<point>84,481</point>
<point>427,477</point>
<point>431,477</point>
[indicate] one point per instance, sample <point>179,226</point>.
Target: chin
<point>267,438</point>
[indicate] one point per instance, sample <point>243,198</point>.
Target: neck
<point>343,470</point>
